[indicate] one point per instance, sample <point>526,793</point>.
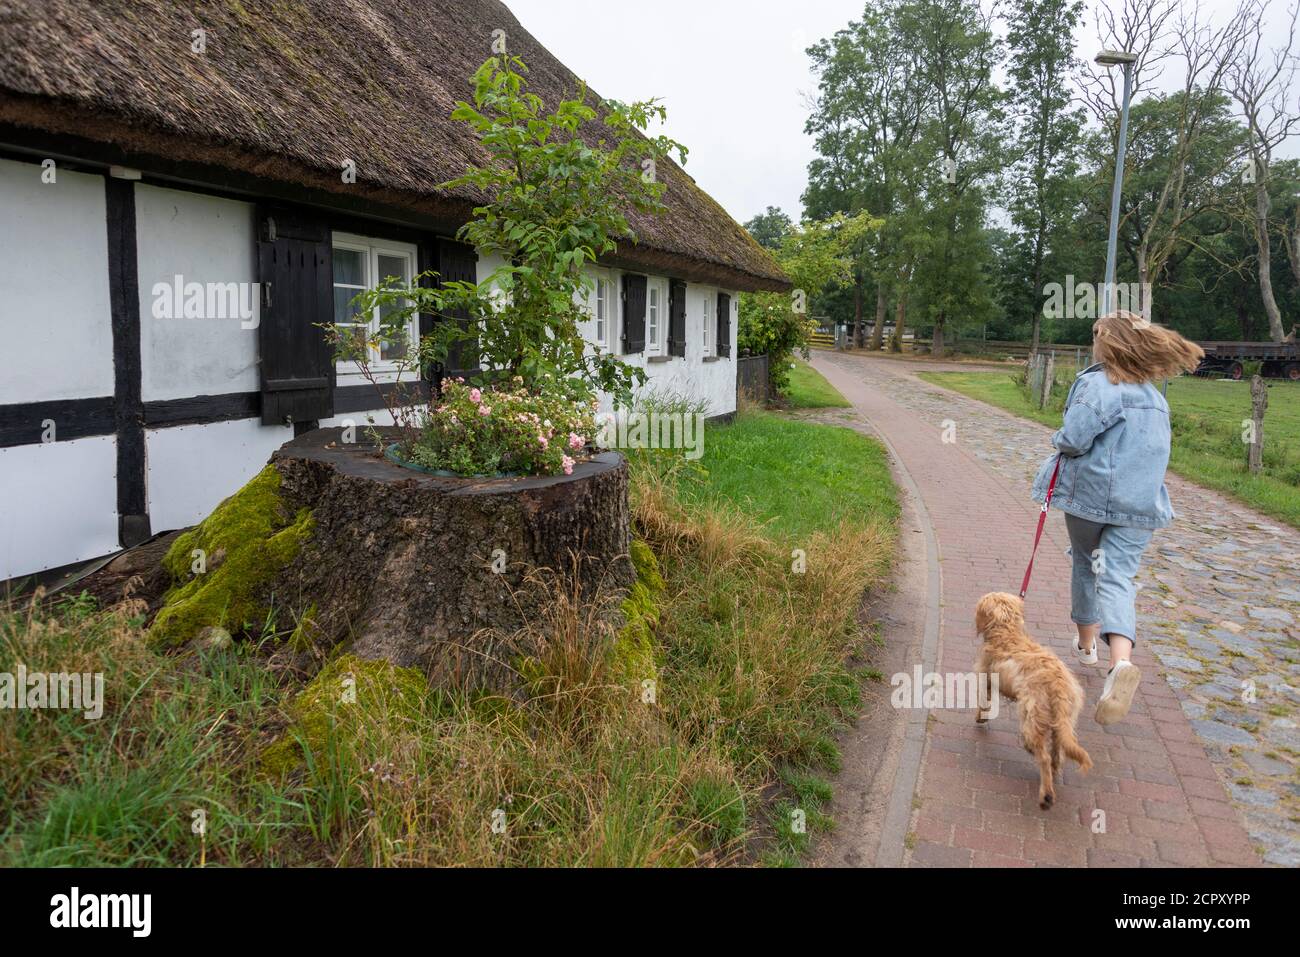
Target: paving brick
<point>928,854</point>
<point>1055,853</point>
<point>988,841</point>
<point>1100,857</point>
<point>1157,783</point>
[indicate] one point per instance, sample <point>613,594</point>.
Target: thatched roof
<point>289,89</point>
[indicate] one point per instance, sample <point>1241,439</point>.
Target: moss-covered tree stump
<point>343,547</point>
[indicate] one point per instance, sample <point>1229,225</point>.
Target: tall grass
<point>581,767</point>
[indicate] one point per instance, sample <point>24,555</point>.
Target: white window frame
<point>656,320</point>
<point>709,306</point>
<point>372,249</point>
<point>602,339</point>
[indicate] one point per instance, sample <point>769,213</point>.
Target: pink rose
<point>484,410</point>
<point>576,441</point>
<point>542,441</point>
<point>568,464</point>
<point>475,396</point>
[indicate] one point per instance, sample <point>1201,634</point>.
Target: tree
<point>955,51</point>
<point>818,256</point>
<point>769,228</point>
<point>557,195</point>
<point>1261,82</point>
<point>1169,205</point>
<point>1162,33</point>
<point>866,124</point>
<point>1048,132</point>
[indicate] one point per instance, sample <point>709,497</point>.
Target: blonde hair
<point>1134,350</point>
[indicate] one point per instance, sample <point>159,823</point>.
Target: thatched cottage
<point>188,188</point>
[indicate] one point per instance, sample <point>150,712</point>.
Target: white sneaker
<point>1117,695</point>
<point>1088,657</point>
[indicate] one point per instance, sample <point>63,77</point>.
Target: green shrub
<point>475,431</point>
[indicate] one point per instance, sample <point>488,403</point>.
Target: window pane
<point>343,310</point>
<point>395,346</point>
<point>392,266</point>
<point>349,266</point>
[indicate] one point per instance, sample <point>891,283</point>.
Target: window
<point>656,316</point>
<point>708,323</point>
<point>602,309</point>
<point>361,264</point>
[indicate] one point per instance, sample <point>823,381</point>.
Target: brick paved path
<point>1194,775</point>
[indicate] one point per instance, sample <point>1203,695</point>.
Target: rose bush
<point>470,430</point>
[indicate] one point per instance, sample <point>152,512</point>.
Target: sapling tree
<point>557,199</point>
<point>817,255</point>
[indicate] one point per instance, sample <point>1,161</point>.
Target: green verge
<point>794,477</point>
<point>754,672</point>
<point>1207,418</point>
<point>809,389</point>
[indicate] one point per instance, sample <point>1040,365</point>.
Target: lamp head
<point>1110,58</point>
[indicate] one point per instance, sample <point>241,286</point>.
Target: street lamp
<point>1110,58</point>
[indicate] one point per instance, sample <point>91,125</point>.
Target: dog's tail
<point>1072,748</point>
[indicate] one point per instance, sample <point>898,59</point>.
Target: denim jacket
<point>1114,447</point>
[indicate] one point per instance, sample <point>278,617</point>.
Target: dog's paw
<point>1045,802</point>
<point>981,718</point>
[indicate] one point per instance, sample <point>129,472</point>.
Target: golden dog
<point>1049,697</point>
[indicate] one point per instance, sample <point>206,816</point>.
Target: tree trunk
<point>1144,283</point>
<point>1037,321</point>
<point>936,341</point>
<point>1292,237</point>
<point>878,331</point>
<point>454,576</point>
<point>857,312</point>
<point>1262,241</point>
<point>900,317</point>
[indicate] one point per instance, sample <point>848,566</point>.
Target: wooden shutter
<point>458,262</point>
<point>677,318</point>
<point>724,324</point>
<point>295,270</point>
<point>633,313</point>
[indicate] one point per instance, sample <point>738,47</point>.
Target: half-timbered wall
<point>156,415</point>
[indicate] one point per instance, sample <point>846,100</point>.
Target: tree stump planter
<point>439,573</point>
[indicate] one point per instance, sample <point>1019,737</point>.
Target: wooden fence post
<point>1049,373</point>
<point>1258,403</point>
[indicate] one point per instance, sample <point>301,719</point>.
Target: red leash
<point>1042,520</point>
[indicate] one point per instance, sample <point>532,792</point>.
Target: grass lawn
<point>746,648</point>
<point>763,468</point>
<point>1206,416</point>
<point>809,389</point>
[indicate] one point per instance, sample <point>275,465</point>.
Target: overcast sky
<point>732,73</point>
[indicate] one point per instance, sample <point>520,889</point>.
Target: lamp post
<point>1122,58</point>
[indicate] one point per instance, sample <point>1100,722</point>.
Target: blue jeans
<point>1102,586</point>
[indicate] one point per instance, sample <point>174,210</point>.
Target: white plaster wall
<point>56,331</point>
<point>60,504</point>
<point>692,376</point>
<point>192,468</point>
<point>204,239</point>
